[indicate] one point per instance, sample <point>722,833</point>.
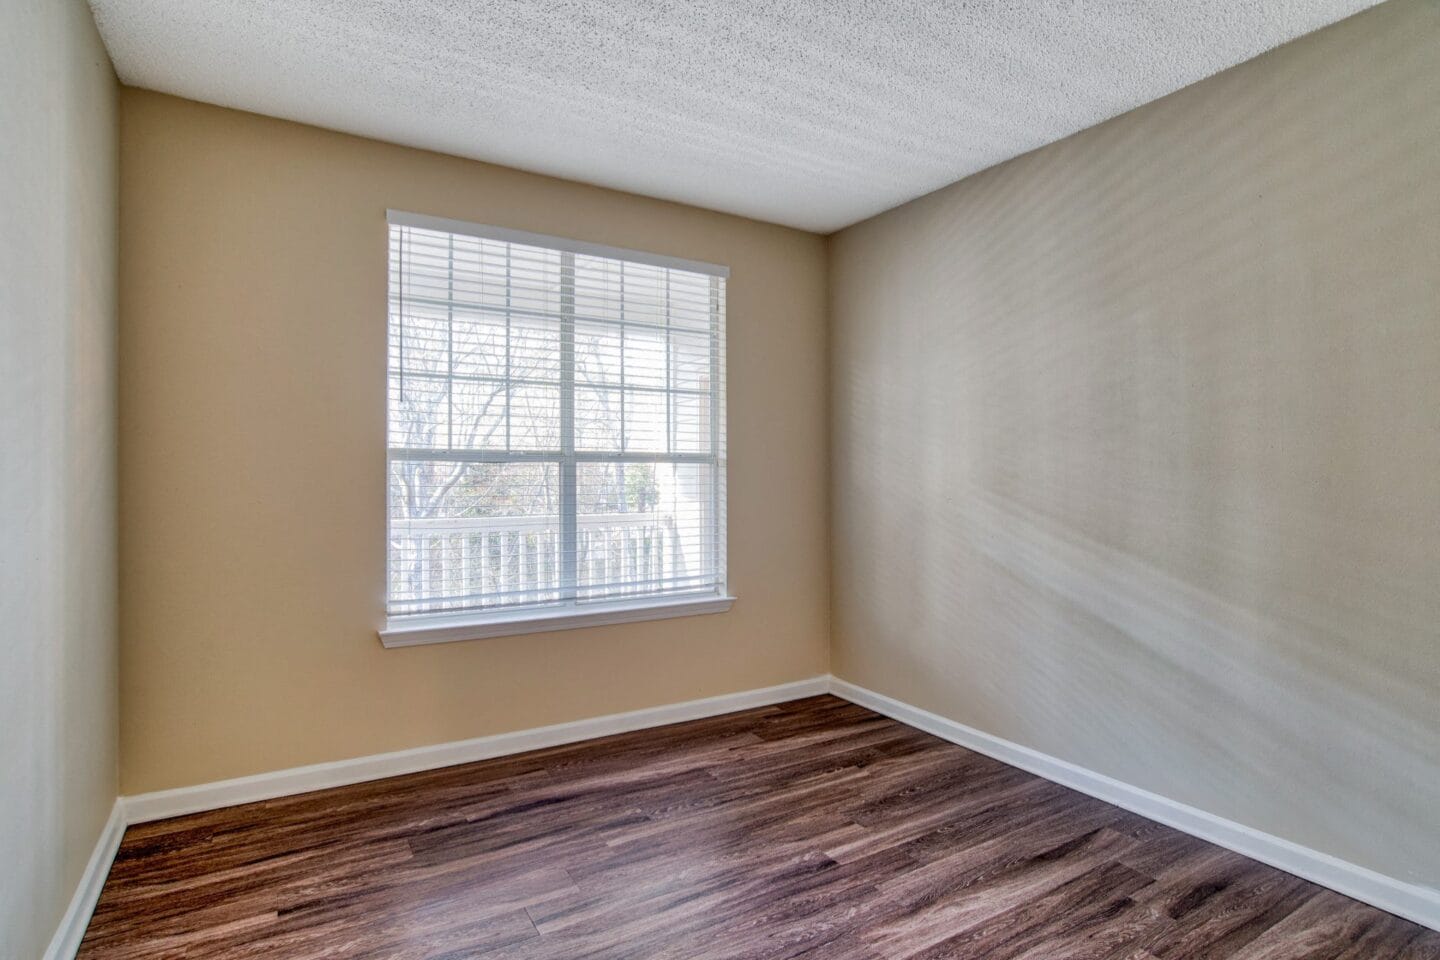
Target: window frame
<point>408,629</point>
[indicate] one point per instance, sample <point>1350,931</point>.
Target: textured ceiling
<point>814,114</point>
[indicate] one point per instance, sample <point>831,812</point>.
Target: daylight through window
<point>556,423</point>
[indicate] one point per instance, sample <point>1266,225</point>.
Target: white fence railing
<point>516,560</point>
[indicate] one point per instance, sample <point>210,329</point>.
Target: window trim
<point>403,630</point>
<point>400,218</point>
<point>417,629</point>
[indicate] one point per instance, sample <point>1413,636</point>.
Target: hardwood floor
<point>811,829</point>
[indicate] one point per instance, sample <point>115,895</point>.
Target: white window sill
<point>412,631</point>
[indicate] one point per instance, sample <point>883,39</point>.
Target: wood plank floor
<point>811,829</point>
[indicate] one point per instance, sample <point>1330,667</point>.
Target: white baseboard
<point>1408,900</point>
<point>77,916</point>
<point>145,807</point>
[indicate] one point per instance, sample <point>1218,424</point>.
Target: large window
<point>556,431</point>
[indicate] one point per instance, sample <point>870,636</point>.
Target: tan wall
<point>1135,447</point>
<point>58,638</point>
<point>253,454</point>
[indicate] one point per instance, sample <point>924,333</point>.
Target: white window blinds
<point>556,423</point>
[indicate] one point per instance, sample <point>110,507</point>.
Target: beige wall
<point>253,451</point>
<point>1135,448</point>
<point>58,656</point>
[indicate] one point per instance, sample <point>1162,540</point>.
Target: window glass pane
<point>597,353</point>
<point>645,421</point>
<point>478,343</point>
<point>533,274</point>
<point>419,408</point>
<point>645,290</point>
<point>644,528</point>
<point>477,409</point>
<point>534,349</point>
<point>597,420</point>
<point>690,427</point>
<point>690,300</point>
<point>426,268</point>
<point>479,279</point>
<point>690,361</point>
<point>473,535</point>
<point>597,288</point>
<point>417,338</point>
<point>644,357</point>
<point>534,418</point>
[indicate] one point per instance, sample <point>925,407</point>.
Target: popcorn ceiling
<point>812,114</point>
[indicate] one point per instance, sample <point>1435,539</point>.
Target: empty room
<point>665,480</point>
